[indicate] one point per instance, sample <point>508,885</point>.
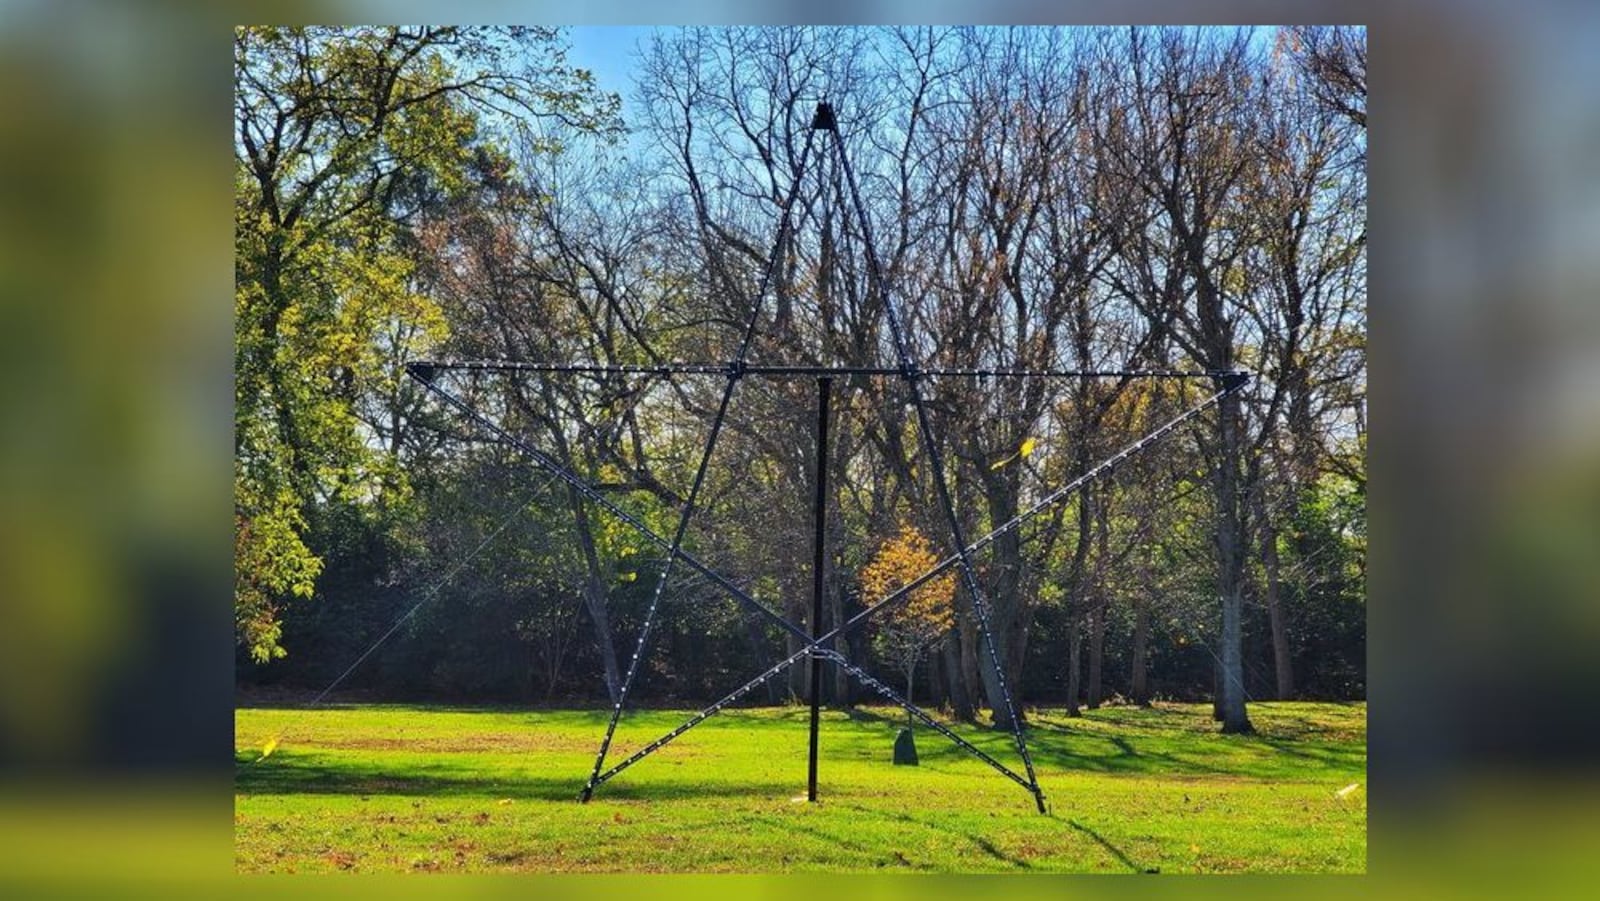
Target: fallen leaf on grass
<point>1345,792</point>
<point>341,859</point>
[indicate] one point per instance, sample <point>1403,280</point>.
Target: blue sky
<point>608,51</point>
<point>611,53</point>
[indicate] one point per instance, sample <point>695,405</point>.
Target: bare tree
<point>1334,58</point>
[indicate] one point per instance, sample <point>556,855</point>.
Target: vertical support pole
<point>819,512</point>
<point>822,121</point>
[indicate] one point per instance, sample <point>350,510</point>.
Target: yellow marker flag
<point>1025,450</point>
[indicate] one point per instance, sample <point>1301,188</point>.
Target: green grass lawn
<point>401,788</point>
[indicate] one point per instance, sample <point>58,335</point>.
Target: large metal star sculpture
<point>817,644</point>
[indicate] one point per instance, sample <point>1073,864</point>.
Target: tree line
<point>1091,199</point>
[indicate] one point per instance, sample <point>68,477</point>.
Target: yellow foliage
<point>927,615</point>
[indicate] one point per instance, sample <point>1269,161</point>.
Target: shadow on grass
<point>566,716</point>
<point>1113,741</point>
<point>289,774</point>
<point>867,853</point>
<point>1061,748</point>
<point>1113,850</point>
<point>982,843</point>
<point>1140,746</point>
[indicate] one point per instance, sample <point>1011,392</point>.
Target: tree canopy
<point>344,139</point>
<point>1081,198</point>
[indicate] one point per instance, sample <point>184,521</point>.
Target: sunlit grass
<point>414,788</point>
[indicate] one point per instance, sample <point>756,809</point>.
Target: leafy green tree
<point>342,136</point>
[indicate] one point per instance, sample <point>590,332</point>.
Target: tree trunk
<point>1003,597</point>
<point>1282,666</point>
<point>1078,580</point>
<point>761,651</point>
<point>1216,689</point>
<point>841,679</point>
<point>797,607</point>
<point>1074,645</point>
<point>1021,627</point>
<point>991,684</point>
<point>594,598</point>
<point>797,675</point>
<point>911,672</point>
<point>1097,647</point>
<point>960,699</point>
<point>1231,570</point>
<point>1099,611</point>
<point>530,682</point>
<point>969,661</point>
<point>1139,685</point>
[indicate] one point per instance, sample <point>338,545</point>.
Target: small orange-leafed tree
<point>917,624</point>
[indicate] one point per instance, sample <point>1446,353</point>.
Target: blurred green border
<point>115,657</point>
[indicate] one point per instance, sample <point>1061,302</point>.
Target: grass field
<point>399,788</point>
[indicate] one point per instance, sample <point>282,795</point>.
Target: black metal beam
<point>930,448</point>
<point>426,372</point>
<point>819,512</point>
<point>425,369</point>
<point>592,494</point>
<point>733,371</point>
<point>823,119</point>
<point>814,646</point>
<point>837,659</point>
<point>899,595</point>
